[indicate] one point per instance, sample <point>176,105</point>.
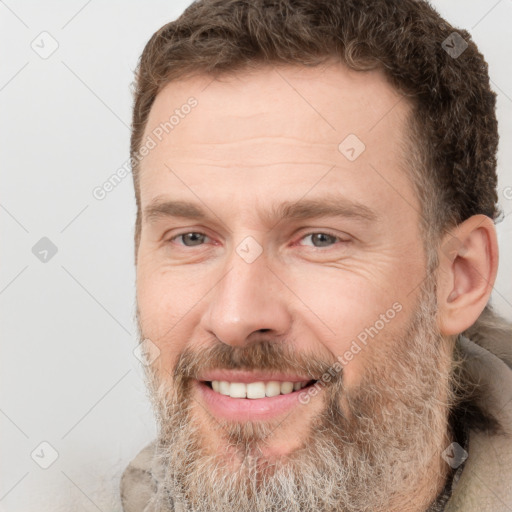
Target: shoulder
<point>137,482</point>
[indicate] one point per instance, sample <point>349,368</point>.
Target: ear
<point>468,263</point>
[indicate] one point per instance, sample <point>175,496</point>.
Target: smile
<point>247,397</point>
<point>256,390</point>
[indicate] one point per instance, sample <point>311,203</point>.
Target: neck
<point>423,498</point>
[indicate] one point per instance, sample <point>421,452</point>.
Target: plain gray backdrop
<point>69,377</point>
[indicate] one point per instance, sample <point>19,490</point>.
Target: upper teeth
<point>255,389</point>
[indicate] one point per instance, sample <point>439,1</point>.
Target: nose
<point>248,299</point>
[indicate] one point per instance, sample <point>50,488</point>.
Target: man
<point>315,251</point>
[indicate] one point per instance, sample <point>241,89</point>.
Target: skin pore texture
<point>256,290</point>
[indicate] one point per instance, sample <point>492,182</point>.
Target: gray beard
<point>374,453</point>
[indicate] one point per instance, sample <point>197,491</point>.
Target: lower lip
<point>248,409</point>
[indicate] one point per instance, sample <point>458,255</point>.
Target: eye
<point>320,239</point>
<point>316,239</point>
<point>190,239</point>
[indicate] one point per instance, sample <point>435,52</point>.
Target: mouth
<point>249,401</point>
<point>256,390</point>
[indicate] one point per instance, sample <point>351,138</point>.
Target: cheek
<point>166,302</point>
<point>354,318</point>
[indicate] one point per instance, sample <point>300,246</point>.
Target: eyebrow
<point>330,206</point>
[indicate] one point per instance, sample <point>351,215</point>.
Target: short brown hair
<point>453,157</point>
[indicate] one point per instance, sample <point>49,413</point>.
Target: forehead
<point>274,128</point>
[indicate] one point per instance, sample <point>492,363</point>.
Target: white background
<point>68,374</point>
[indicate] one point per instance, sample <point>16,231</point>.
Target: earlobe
<point>468,259</point>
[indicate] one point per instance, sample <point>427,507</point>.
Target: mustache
<point>264,355</point>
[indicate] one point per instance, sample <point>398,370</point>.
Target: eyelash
<point>332,235</point>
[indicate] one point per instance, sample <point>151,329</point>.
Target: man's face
<point>306,257</point>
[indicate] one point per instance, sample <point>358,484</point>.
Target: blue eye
<point>191,239</point>
<point>320,239</point>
